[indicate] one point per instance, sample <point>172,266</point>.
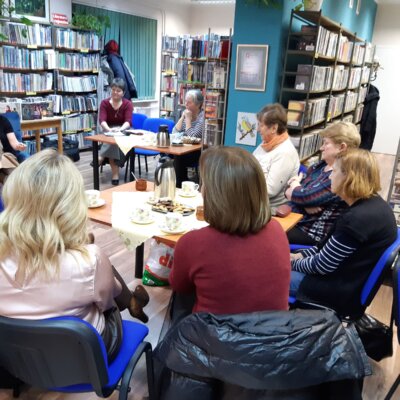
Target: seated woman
<point>334,272</point>
<point>115,115</point>
<point>240,262</point>
<point>312,196</point>
<point>9,141</point>
<point>276,154</point>
<point>191,123</point>
<point>47,267</point>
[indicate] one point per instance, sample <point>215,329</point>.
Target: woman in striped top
<point>334,272</point>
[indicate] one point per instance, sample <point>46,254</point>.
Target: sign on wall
<point>246,129</point>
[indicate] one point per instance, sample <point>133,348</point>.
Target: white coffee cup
<point>189,187</point>
<point>92,197</point>
<point>173,221</point>
<point>141,214</point>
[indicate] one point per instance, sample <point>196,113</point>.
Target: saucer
<point>99,203</point>
<point>183,194</point>
<point>143,222</point>
<point>181,229</point>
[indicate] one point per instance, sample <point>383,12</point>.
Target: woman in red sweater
<point>240,263</point>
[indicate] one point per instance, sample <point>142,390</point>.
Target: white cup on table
<point>173,221</point>
<point>189,188</point>
<point>141,214</point>
<point>92,197</point>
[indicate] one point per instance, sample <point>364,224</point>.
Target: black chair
<point>66,354</point>
<point>396,311</point>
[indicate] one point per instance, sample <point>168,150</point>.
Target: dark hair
<point>235,191</point>
<point>273,114</point>
<point>119,83</point>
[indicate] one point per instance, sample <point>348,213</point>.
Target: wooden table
<point>49,122</point>
<point>102,215</point>
<point>173,150</point>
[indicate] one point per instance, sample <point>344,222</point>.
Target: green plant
<point>91,22</point>
<point>264,3</point>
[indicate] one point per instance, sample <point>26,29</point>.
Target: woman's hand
<point>19,146</point>
<point>296,256</point>
<point>187,114</point>
<point>313,210</point>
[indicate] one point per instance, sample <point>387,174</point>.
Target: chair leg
<point>140,171</point>
<point>150,372</point>
<point>126,377</point>
<point>126,168</point>
<point>147,167</point>
<point>393,388</point>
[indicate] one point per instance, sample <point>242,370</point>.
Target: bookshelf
<point>196,62</point>
<point>325,78</point>
<point>49,70</point>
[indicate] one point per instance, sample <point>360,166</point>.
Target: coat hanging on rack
<point>368,119</point>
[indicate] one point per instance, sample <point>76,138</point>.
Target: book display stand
<point>196,62</point>
<point>394,189</point>
<point>325,78</point>
<point>48,70</point>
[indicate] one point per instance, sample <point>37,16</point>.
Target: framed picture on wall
<point>35,10</point>
<point>251,67</point>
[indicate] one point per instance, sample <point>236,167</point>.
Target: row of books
<point>71,104</point>
<point>80,138</point>
<point>358,113</point>
<point>169,83</point>
<point>350,101</point>
<point>313,78</point>
<point>22,58</point>
<point>336,105</point>
<point>212,132</point>
<point>170,43</point>
<point>79,122</point>
<point>34,35</point>
<point>214,105</point>
<point>29,108</point>
<point>215,46</point>
<point>305,113</point>
<point>167,103</point>
<point>216,75</point>
<point>307,143</point>
<point>77,40</point>
<point>17,82</point>
<point>192,71</point>
<point>86,83</point>
<point>78,62</point>
<point>169,62</point>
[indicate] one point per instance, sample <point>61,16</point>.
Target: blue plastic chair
<point>152,125</point>
<point>138,120</point>
<point>66,354</point>
<point>396,315</point>
<point>377,275</point>
<point>15,122</point>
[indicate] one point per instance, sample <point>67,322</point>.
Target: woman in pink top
<point>47,267</point>
<point>240,263</point>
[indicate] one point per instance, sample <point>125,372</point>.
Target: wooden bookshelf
<point>325,77</point>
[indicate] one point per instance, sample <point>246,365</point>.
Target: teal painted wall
<point>259,25</point>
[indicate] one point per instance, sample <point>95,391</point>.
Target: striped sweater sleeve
<point>338,247</point>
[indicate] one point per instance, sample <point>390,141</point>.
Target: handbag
<point>376,337</point>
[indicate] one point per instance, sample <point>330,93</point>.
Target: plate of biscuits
<point>166,206</point>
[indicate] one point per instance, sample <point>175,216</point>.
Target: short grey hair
<point>196,95</point>
<point>119,83</point>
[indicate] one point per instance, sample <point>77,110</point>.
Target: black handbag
<point>376,337</point>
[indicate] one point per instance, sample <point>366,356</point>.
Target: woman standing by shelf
<point>115,115</point>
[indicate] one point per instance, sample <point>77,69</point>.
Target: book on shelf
<point>29,108</point>
<point>218,78</point>
<point>296,111</point>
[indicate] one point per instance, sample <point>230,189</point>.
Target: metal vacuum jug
<point>163,136</point>
<point>164,179</point>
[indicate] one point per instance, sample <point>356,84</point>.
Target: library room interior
<point>144,115</point>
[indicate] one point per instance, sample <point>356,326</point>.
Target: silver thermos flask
<point>164,179</point>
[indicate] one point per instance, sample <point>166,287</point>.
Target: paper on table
<point>133,235</point>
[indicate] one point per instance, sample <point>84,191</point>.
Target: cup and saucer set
<point>93,198</point>
<point>189,189</point>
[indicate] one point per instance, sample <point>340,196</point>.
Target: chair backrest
<point>152,124</point>
<point>53,353</point>
<point>15,122</point>
<point>396,296</point>
<point>377,275</point>
<point>138,120</point>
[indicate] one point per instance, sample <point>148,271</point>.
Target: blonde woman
<point>312,195</point>
<point>240,262</point>
<point>47,268</point>
<point>334,272</point>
